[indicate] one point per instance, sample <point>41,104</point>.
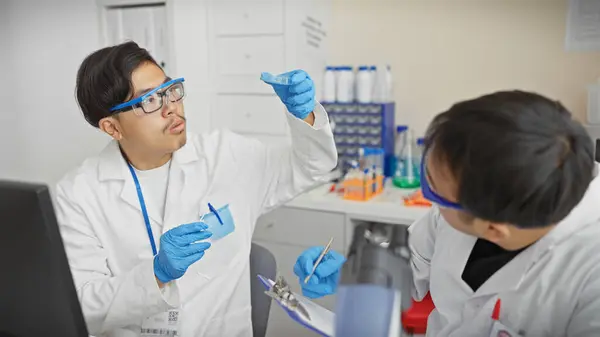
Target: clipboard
<point>321,321</point>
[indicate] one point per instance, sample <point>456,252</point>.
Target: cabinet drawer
<point>249,55</point>
<point>250,114</point>
<point>248,17</point>
<point>302,227</point>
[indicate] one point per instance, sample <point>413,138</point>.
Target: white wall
<point>10,141</point>
<point>45,41</point>
<point>190,53</point>
<point>42,44</point>
<point>442,51</point>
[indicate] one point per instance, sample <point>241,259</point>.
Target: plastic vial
<point>389,84</point>
<point>345,85</point>
<point>380,89</point>
<point>364,85</point>
<point>270,78</point>
<point>329,84</point>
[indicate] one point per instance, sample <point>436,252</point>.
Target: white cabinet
<point>247,37</point>
<point>240,60</point>
<point>221,47</point>
<point>250,114</point>
<point>146,25</point>
<point>304,228</point>
<point>248,17</point>
<point>249,55</point>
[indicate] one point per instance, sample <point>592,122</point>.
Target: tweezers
<point>281,292</point>
<point>319,259</point>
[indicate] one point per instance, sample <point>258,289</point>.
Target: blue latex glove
<point>326,277</point>
<point>178,250</point>
<point>295,89</point>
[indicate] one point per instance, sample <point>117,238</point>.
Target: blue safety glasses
<point>154,99</point>
<point>430,195</point>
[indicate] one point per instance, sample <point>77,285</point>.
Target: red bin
<point>414,320</point>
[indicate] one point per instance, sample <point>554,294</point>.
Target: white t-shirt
<point>154,187</point>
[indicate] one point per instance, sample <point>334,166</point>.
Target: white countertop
<point>387,207</point>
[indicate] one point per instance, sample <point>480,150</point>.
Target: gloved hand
<point>295,89</point>
<point>178,250</point>
<point>326,277</point>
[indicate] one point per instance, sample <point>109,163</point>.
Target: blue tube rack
<point>359,125</point>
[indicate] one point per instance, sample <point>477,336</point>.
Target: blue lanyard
<point>143,207</point>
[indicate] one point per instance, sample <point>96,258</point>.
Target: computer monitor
<point>37,293</point>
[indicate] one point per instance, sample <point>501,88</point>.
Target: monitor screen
<point>37,293</point>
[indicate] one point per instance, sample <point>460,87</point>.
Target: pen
<point>496,312</point>
<point>323,253</point>
<point>214,210</point>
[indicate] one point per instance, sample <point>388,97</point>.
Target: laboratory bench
<point>312,219</point>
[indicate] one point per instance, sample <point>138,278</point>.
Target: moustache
<point>178,120</point>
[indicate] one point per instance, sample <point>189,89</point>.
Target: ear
<point>497,232</point>
<point>112,127</point>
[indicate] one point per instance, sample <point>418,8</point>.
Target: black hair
<point>104,79</point>
<point>517,157</point>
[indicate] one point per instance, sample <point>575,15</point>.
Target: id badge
<point>501,330</point>
<point>219,230</point>
<point>165,324</point>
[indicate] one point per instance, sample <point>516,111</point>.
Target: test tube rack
<point>363,189</point>
<point>357,125</point>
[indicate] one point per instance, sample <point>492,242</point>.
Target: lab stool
<point>262,262</point>
<point>414,320</point>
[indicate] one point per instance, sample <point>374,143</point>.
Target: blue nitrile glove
<point>178,250</point>
<point>295,89</point>
<point>326,277</point>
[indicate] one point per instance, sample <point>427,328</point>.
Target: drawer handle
<point>247,56</point>
<point>247,114</point>
<point>270,225</point>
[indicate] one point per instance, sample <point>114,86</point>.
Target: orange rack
<point>362,189</point>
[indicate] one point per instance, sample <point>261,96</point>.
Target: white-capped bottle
<point>329,84</point>
<point>351,80</point>
<point>364,85</point>
<point>389,84</point>
<point>372,72</point>
<point>354,172</point>
<point>380,89</point>
<point>345,85</point>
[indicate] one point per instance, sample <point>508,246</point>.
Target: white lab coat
<point>550,289</point>
<point>108,246</point>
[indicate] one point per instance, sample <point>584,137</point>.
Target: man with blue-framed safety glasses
<point>158,226</point>
<point>511,243</point>
<point>430,194</point>
<point>172,90</point>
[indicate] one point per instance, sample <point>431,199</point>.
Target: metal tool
<point>323,253</point>
<point>281,292</point>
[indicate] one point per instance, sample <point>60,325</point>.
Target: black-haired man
<point>515,224</point>
<point>200,194</point>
